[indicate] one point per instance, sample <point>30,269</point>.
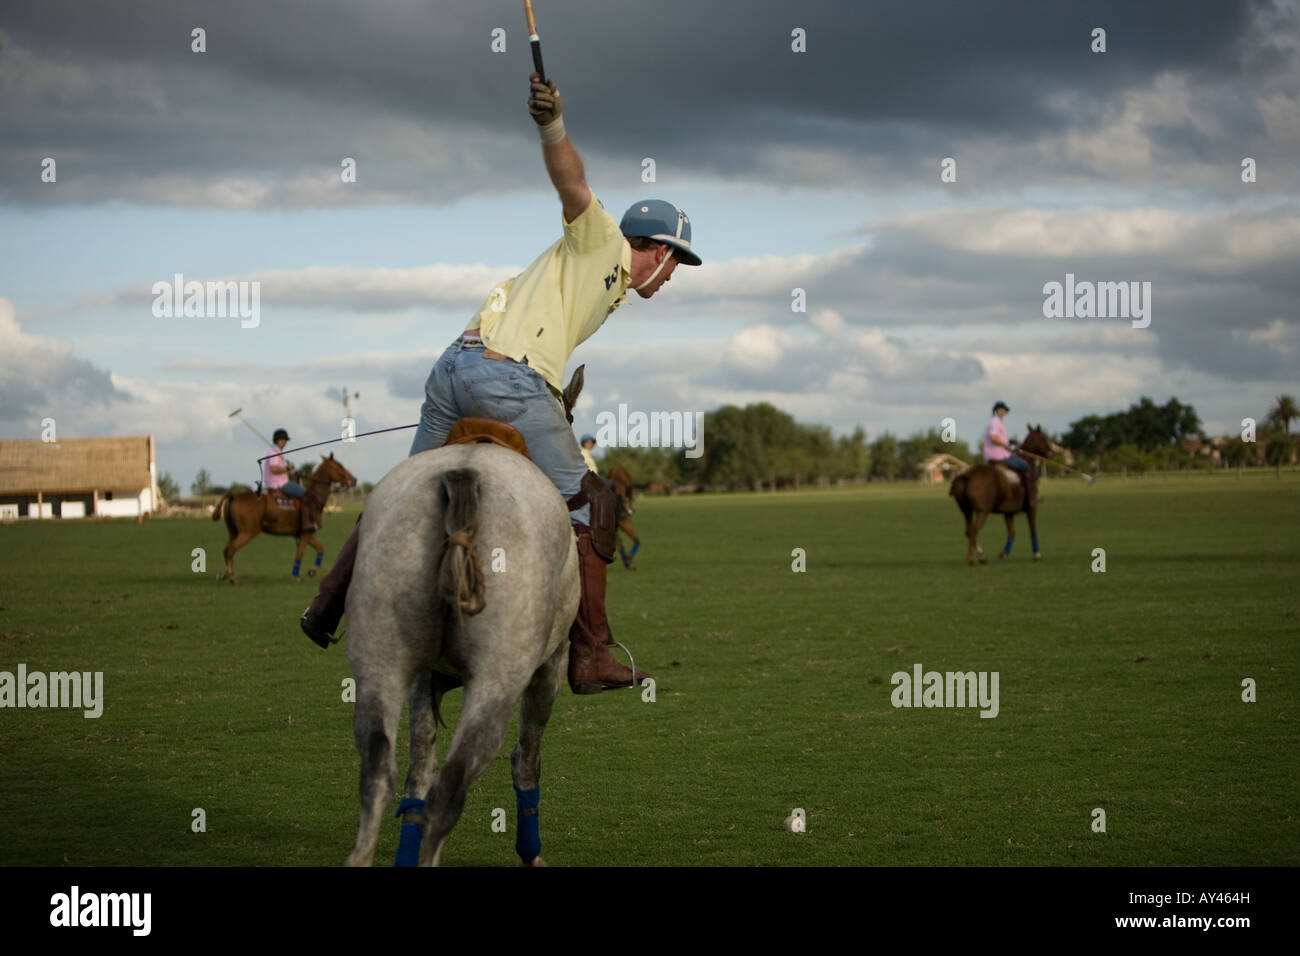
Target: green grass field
<point>1119,690</point>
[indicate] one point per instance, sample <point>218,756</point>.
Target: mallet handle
<point>534,40</point>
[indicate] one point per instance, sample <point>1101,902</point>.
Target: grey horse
<point>434,605</point>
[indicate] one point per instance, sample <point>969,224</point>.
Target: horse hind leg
<point>526,758</point>
<point>479,732</point>
<point>233,545</point>
<point>423,768</point>
<point>374,727</point>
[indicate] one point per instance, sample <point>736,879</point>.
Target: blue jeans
<point>293,488</point>
<point>465,384</point>
<point>1016,462</point>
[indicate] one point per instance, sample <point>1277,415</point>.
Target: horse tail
<point>460,576</point>
<point>221,506</point>
<point>958,490</point>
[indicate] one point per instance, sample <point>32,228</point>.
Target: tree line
<point>1148,437</point>
<point>761,447</point>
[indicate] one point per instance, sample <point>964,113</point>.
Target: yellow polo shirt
<point>557,303</point>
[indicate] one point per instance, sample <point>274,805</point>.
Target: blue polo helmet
<point>663,222</point>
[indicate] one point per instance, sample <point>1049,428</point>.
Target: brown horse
<point>622,483</point>
<point>997,489</point>
<point>249,514</point>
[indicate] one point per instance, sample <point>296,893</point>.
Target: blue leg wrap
<point>635,548</point>
<point>319,555</point>
<point>1007,549</point>
<point>528,840</point>
<point>408,845</point>
<point>296,564</point>
<point>1034,540</point>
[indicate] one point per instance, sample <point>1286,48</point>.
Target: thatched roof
<point>942,461</point>
<point>76,465</point>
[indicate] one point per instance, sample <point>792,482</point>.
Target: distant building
<point>939,468</point>
<point>78,477</point>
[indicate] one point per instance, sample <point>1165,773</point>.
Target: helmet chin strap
<point>657,270</point>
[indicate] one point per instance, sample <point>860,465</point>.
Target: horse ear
<point>331,455</point>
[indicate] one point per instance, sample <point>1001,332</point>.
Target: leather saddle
<point>1009,473</point>
<point>280,498</point>
<point>487,431</point>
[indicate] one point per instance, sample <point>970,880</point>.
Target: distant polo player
<point>588,443</point>
<point>508,365</point>
<point>997,448</point>
<point>275,476</point>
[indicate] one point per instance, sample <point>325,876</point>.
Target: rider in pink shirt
<point>275,475</point>
<point>998,449</point>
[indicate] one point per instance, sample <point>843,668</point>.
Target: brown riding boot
<point>321,619</point>
<point>592,668</point>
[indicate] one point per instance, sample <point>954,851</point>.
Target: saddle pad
<point>1010,474</point>
<point>468,430</point>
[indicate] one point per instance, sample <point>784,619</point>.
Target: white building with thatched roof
<point>75,477</point>
<point>938,468</point>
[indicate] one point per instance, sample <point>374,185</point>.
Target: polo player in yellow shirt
<point>508,365</point>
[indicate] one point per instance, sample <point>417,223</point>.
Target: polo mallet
<point>251,428</point>
<point>1059,464</point>
<point>534,40</point>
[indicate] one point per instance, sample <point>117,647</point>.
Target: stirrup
<point>631,662</point>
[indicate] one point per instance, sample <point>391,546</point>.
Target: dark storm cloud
<point>287,88</point>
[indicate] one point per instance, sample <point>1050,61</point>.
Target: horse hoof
<point>311,573</point>
<point>1038,555</point>
<point>1002,555</point>
<point>983,559</point>
<point>537,861</point>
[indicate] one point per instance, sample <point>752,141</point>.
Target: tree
<point>1239,453</point>
<point>884,456</point>
<point>852,457</point>
<point>1146,425</point>
<point>1281,446</point>
<point>1127,458</point>
<point>1283,410</point>
<point>202,484</point>
<point>167,487</point>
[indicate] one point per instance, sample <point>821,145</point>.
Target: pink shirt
<point>270,478</point>
<point>993,452</point>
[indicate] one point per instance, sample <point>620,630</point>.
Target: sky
<point>806,141</point>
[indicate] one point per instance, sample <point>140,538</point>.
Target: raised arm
<point>563,164</point>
